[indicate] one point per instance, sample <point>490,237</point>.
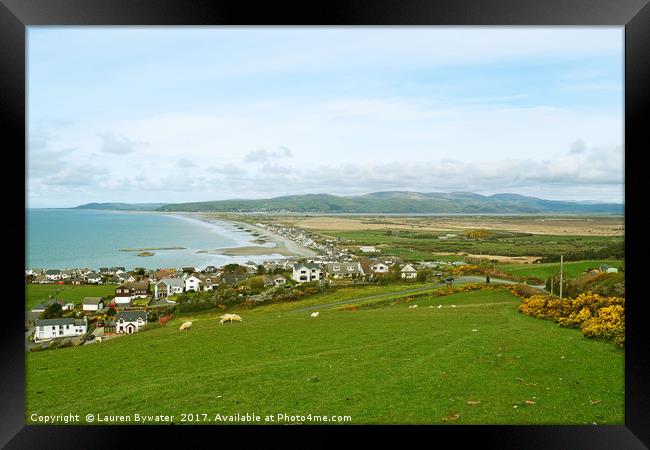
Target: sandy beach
<point>282,245</point>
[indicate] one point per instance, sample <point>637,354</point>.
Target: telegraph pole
<point>561,269</point>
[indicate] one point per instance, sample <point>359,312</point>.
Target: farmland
<point>39,293</point>
<point>572,269</point>
<point>386,365</point>
<point>426,245</point>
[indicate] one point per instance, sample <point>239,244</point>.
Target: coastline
<point>283,246</point>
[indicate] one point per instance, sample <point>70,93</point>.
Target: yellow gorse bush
<point>596,316</point>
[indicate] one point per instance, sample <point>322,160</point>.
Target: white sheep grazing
<point>98,339</point>
<point>185,326</point>
<point>226,318</point>
<point>413,306</point>
<point>439,306</point>
<point>453,306</point>
<point>315,314</point>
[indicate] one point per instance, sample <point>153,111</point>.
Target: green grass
<point>39,293</point>
<point>386,365</point>
<point>572,269</point>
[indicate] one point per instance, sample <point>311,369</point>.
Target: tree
<point>261,270</point>
<point>52,311</point>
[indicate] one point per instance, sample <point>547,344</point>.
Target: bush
<point>349,308</point>
<point>595,315</point>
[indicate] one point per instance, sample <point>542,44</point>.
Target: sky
<point>177,114</point>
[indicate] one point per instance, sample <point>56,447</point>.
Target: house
<point>129,291</point>
<point>210,269</point>
<point>307,272</point>
<point>368,249</point>
<point>76,280</point>
<point>208,281</point>
<point>91,304</point>
<point>93,278</point>
<point>163,273</point>
<point>344,269</point>
<point>408,272</point>
<point>117,270</point>
<point>39,308</point>
<point>168,286</point>
<point>53,274</point>
<point>129,322</point>
<point>40,279</point>
<point>379,267</point>
<point>104,271</point>
<point>192,283</point>
<point>607,268</point>
<point>66,274</point>
<point>279,280</point>
<point>47,329</point>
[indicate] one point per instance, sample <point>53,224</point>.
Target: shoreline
<point>283,246</point>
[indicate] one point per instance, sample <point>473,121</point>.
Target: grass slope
<point>39,293</point>
<point>387,365</point>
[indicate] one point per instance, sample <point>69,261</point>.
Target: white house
<point>47,329</point>
<point>409,272</point>
<point>93,278</point>
<point>368,249</point>
<point>379,267</point>
<point>192,283</point>
<point>279,280</point>
<point>130,321</point>
<point>168,286</point>
<point>304,273</point>
<point>53,274</point>
<point>91,304</point>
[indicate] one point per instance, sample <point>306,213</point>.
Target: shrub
<point>349,308</point>
<point>596,316</point>
<point>164,319</point>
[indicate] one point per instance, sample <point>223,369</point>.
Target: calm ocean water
<point>69,238</point>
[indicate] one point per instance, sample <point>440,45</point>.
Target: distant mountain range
<point>122,206</point>
<point>389,202</point>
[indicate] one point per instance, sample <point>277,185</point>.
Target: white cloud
<point>118,144</point>
<point>264,155</point>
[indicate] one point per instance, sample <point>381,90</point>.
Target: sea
<point>77,238</point>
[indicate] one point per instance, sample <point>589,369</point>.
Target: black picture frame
<point>634,15</point>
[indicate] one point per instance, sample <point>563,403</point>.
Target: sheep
<point>439,306</point>
<point>98,339</point>
<point>226,318</point>
<point>185,326</point>
<point>315,314</point>
<point>413,306</point>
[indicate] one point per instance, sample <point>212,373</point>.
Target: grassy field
<point>39,293</point>
<point>385,365</point>
<point>542,271</point>
<point>424,245</point>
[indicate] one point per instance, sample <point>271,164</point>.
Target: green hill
<point>387,365</point>
<point>399,202</point>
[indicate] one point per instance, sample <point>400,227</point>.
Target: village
<point>139,292</point>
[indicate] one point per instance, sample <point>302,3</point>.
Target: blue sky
<point>161,114</point>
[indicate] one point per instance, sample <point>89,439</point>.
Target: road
<point>457,281</point>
